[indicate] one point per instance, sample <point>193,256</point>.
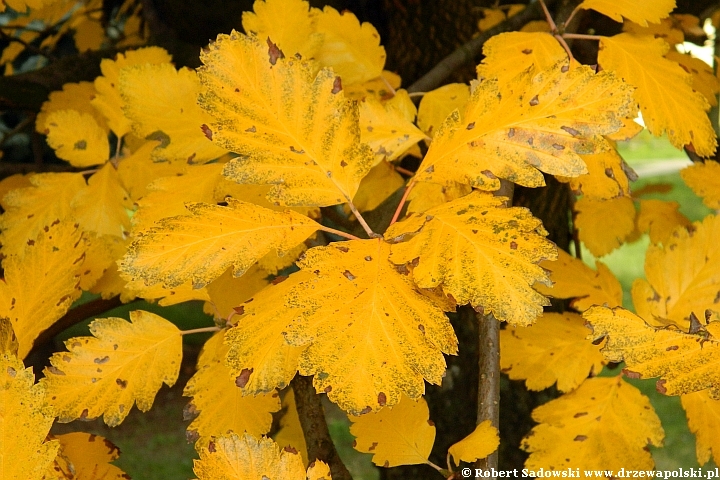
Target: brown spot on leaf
<point>101,360</point>
<point>192,436</point>
<point>386,464</point>
<point>244,377</point>
<point>368,258</point>
<point>513,245</point>
<point>251,129</point>
<point>527,51</point>
<point>511,133</point>
<point>430,169</point>
<point>672,347</point>
<point>660,386</point>
<point>365,410</point>
<point>211,447</point>
<point>291,449</point>
<point>382,399</point>
<point>471,125</point>
<point>206,130</point>
<point>372,446</point>
<point>349,275</point>
<point>80,145</point>
<point>337,86</point>
<point>557,146</point>
<point>277,280</point>
<point>565,68</point>
<point>571,131</point>
<point>328,389</point>
<point>630,374</point>
<point>274,52</point>
<point>343,249</point>
<point>343,163</point>
<point>421,327</point>
<point>190,412</point>
<point>121,383</point>
<point>580,438</point>
<point>580,414</point>
<point>534,101</point>
<point>54,370</point>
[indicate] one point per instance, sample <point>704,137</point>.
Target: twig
<point>416,94</point>
<point>339,233</point>
<point>582,36</point>
<point>25,44</point>
<point>362,221</point>
<point>571,16</point>
<point>200,330</point>
<point>314,426</point>
<point>564,44</point>
<point>404,171</point>
<point>387,84</point>
<point>467,52</point>
<point>400,206</point>
<point>548,17</point>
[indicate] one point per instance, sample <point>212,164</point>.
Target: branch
<point>317,436</point>
<point>469,51</point>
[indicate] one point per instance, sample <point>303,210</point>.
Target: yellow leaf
<point>436,105</point>
<point>13,182</point>
<point>401,435</point>
<point>89,34</point>
<point>137,170</point>
<point>293,129</point>
<point>629,130</point>
<point>231,457</point>
<point>29,210</point>
<point>388,128</point>
<point>348,293</point>
<point>491,17</point>
<point>289,24</point>
<point>161,103</point>
<point>90,456</point>
<point>102,207</point>
<point>683,276</point>
<point>606,177</point>
<point>660,219</point>
<point>604,224</point>
<point>73,96</point>
<point>77,138</point>
<point>319,470</point>
<point>542,121</point>
<point>219,403</point>
<point>483,441</point>
<point>381,88</point>
<point>681,113</point>
<point>480,253</point>
<point>686,362</point>
<point>273,262</point>
<point>382,181</point>
<point>606,424</point>
<point>350,48</point>
<point>108,100</point>
<point>123,363</point>
<point>291,433</point>
<point>426,195</point>
<point>167,295</point>
<point>41,283</point>
<point>638,11</point>
<point>509,54</point>
<point>8,340</point>
<point>227,292</point>
<point>26,420</point>
<point>703,414</point>
<point>704,79</point>
<point>552,350</point>
<point>704,180</point>
<point>199,247</point>
<point>572,278</point>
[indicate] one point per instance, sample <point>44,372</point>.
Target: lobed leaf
<point>509,54</point>
<point>77,138</point>
<point>638,11</point>
<point>483,441</point>
<point>703,415</point>
<point>704,180</point>
<point>604,224</point>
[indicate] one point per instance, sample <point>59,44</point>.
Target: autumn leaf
<point>659,219</point>
<point>137,170</point>
<point>637,11</point>
<point>102,207</point>
<point>703,76</point>
<point>509,54</point>
<point>437,104</point>
<point>605,424</point>
<point>664,92</point>
<point>704,180</point>
<point>703,415</point>
<point>26,420</point>
<point>616,223</point>
<point>77,138</point>
<point>199,247</point>
<point>319,470</point>
<point>608,176</point>
<point>8,340</point>
<point>426,195</point>
<point>401,435</point>
<point>534,122</point>
<point>685,361</point>
<point>483,441</point>
<point>90,455</point>
<point>381,87</point>
<point>73,96</point>
<point>290,24</point>
<point>41,284</point>
<point>293,129</point>
<point>227,291</point>
<point>480,253</point>
<point>121,364</point>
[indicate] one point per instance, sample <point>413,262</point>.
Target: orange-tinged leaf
<point>13,182</point>
<point>102,207</point>
<point>90,456</point>
<point>350,48</point>
<point>220,402</point>
<point>572,278</point>
<point>668,30</point>
<point>294,129</point>
<point>382,181</point>
<point>231,457</point>
<point>660,218</point>
<point>483,441</point>
<point>291,433</point>
<point>199,247</point>
<point>604,224</point>
<point>319,470</point>
<point>77,138</point>
<point>137,170</point>
<point>227,292</point>
<point>509,54</point>
<point>89,33</point>
<point>73,96</point>
<point>607,176</point>
<point>8,340</point>
<point>437,104</point>
<point>638,11</point>
<point>479,252</point>
<point>123,363</point>
<point>426,195</point>
<point>704,180</point>
<point>388,128</point>
<point>26,420</point>
<point>683,276</point>
<point>686,362</point>
<point>703,414</point>
<point>161,103</point>
<point>552,350</point>
<point>289,24</point>
<point>381,88</point>
<point>664,92</point>
<point>704,79</point>
<point>606,424</point>
<point>534,122</point>
<point>400,435</point>
<point>167,295</point>
<point>41,283</point>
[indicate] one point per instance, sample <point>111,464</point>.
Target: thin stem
<point>572,15</point>
<point>339,233</point>
<point>404,171</point>
<point>387,84</point>
<point>548,17</point>
<point>362,221</point>
<point>582,36</point>
<point>564,44</point>
<point>118,147</point>
<point>200,330</point>
<point>402,201</point>
<point>416,94</point>
<point>439,469</point>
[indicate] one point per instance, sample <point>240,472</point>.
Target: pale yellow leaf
<point>90,456</point>
<point>102,207</point>
<point>704,180</point>
<point>534,122</point>
<point>638,11</point>
<point>483,441</point>
<point>606,178</point>
<point>77,138</point>
<point>606,424</point>
<point>123,363</point>
<point>703,415</point>
<point>73,96</point>
<point>294,129</point>
<point>137,170</point>
<point>664,92</point>
<point>554,349</point>
<point>426,195</point>
<point>290,24</point>
<point>227,292</point>
<point>13,182</point>
<point>161,103</point>
<point>382,88</point>
<point>436,105</point>
<point>382,181</point>
<point>660,218</point>
<point>400,435</point>
<point>479,252</point>
<point>604,225</point>
<point>199,247</point>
